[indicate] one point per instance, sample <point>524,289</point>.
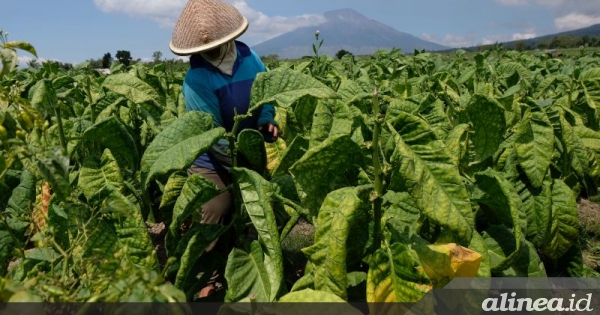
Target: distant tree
<point>33,63</point>
<point>124,57</point>
<point>520,45</point>
<point>106,60</point>
<point>341,53</point>
<point>156,56</point>
<point>65,66</point>
<point>585,40</point>
<point>95,63</point>
<point>269,58</point>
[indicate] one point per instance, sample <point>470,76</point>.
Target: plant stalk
<point>377,169</point>
<point>237,198</point>
<point>88,91</point>
<point>61,130</point>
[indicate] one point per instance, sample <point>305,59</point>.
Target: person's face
<point>217,52</point>
<point>214,53</point>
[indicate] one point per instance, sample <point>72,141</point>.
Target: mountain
<point>593,30</point>
<point>343,29</point>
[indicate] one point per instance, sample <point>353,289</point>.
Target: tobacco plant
<point>413,170</point>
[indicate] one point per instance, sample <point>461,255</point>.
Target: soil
<point>589,214</point>
<point>589,218</point>
<point>157,234</point>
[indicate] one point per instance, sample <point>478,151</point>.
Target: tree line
<point>556,42</point>
<point>124,57</point>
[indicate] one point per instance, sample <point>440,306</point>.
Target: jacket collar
<point>243,51</point>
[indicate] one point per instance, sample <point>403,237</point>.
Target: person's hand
<point>272,129</point>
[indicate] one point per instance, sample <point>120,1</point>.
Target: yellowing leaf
<point>444,262</point>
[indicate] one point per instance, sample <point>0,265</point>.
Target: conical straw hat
<point>206,24</point>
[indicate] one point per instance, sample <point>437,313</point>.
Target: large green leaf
<point>114,135</point>
<point>178,145</point>
<point>43,96</point>
<point>395,276</point>
<point>257,193</point>
<point>591,100</point>
<point>196,191</point>
<point>67,220</point>
<point>131,87</point>
<point>501,243</point>
<point>346,119</point>
<point>124,230</point>
<point>506,208</point>
<point>350,91</point>
<point>23,45</point>
<point>322,123</point>
<point>95,175</point>
<point>247,276</point>
<point>340,236</point>
<point>23,196</point>
<point>537,204</point>
<point>575,155</point>
<point>422,166</point>
<point>200,237</point>
<point>316,296</point>
<point>171,192</point>
<point>285,86</point>
<point>9,59</point>
<point>20,205</point>
<point>432,110</point>
<point>291,155</point>
<point>7,245</point>
<point>457,143</point>
<point>489,123</point>
<point>401,212</point>
<point>590,138</point>
<point>325,168</point>
<point>564,230</point>
<point>534,145</point>
<point>251,145</point>
<point>54,167</point>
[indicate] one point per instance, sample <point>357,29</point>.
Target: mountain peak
<point>343,29</point>
<point>344,14</point>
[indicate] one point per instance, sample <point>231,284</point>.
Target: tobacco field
<point>412,169</point>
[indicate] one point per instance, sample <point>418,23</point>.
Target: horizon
<point>73,31</point>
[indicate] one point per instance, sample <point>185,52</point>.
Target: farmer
<point>219,80</point>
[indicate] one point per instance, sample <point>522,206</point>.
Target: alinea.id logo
<point>514,304</point>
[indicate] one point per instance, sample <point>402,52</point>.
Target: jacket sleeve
<point>267,115</point>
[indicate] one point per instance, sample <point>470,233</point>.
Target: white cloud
<point>24,60</point>
<point>165,13</point>
<point>530,33</point>
<point>450,40</point>
<point>263,27</point>
<point>574,21</point>
<point>495,38</point>
<point>500,38</point>
<point>550,3</point>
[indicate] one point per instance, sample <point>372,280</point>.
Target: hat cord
<point>225,54</point>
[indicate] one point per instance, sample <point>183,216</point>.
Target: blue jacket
<point>207,89</point>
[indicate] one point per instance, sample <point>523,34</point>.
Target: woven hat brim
<point>190,51</point>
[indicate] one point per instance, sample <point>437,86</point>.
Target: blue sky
<point>76,30</point>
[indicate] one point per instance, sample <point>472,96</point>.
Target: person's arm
<point>199,96</point>
<point>267,124</point>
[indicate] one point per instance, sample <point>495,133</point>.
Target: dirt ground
<point>589,218</point>
<point>589,213</point>
<point>157,234</point>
